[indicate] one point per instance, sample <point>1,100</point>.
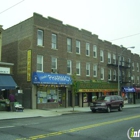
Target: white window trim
<point>40,63</point>
<point>87,69</point>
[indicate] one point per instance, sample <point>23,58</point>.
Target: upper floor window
<point>133,79</point>
<point>69,67</point>
<point>138,79</point>
<point>137,67</point>
<point>123,61</point>
<point>109,58</point>
<point>102,73</point>
<point>40,63</point>
<point>94,51</point>
<point>114,75</point>
<point>129,61</point>
<point>101,56</point>
<point>109,74</point>
<point>77,68</point>
<point>77,47</point>
<point>40,37</point>
<point>133,67</point>
<point>54,41</point>
<point>69,45</point>
<point>87,49</point>
<point>95,70</point>
<point>114,59</point>
<point>87,69</point>
<point>54,64</point>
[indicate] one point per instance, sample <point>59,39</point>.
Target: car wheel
<point>93,110</point>
<point>120,108</point>
<point>108,109</point>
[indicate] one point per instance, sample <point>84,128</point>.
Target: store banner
<point>128,89</point>
<point>50,78</point>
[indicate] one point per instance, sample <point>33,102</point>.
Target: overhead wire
<point>11,7</point>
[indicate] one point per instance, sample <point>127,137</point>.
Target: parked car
<point>107,103</point>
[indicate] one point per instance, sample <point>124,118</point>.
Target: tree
<point>74,89</point>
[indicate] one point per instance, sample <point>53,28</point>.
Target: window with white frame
<point>123,61</point>
<point>69,45</point>
<point>95,70</point>
<point>87,49</point>
<point>54,41</point>
<point>129,61</point>
<point>39,63</point>
<point>129,76</point>
<point>54,64</point>
<point>133,67</point>
<point>114,75</point>
<point>102,73</point>
<point>87,69</point>
<point>40,38</point>
<point>94,51</point>
<point>101,56</point>
<point>109,74</point>
<point>138,79</point>
<point>69,67</point>
<point>78,49</point>
<point>123,76</point>
<point>114,59</point>
<point>109,58</point>
<point>137,67</point>
<point>77,68</point>
<point>133,79</point>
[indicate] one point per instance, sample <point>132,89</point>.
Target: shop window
<point>85,97</point>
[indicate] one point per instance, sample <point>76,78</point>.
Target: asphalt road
<point>79,126</point>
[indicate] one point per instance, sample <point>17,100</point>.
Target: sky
<point>116,21</point>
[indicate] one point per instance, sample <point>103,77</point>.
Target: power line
<point>11,7</point>
<point>125,37</point>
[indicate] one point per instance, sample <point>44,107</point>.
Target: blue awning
<point>7,82</point>
<point>50,78</point>
<point>128,89</point>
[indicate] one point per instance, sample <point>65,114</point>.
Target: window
<point>87,49</point>
<point>109,74</point>
<point>114,59</point>
<point>138,79</point>
<point>133,69</point>
<point>87,69</point>
<point>129,77</point>
<point>94,51</point>
<point>40,37</point>
<point>54,41</point>
<point>69,45</point>
<point>133,79</point>
<point>102,73</point>
<point>129,61</point>
<point>54,64</point>
<point>95,70</point>
<point>123,61</point>
<point>39,63</point>
<point>69,67</point>
<point>114,75</point>
<point>101,56</point>
<point>77,68</point>
<point>137,67</point>
<point>109,58</point>
<point>77,47</point>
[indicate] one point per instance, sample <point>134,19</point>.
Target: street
<point>78,126</point>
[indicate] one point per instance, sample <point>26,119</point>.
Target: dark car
<point>107,103</point>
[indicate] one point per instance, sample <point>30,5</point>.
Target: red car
<point>107,103</point>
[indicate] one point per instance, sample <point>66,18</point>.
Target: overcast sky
<point>117,21</point>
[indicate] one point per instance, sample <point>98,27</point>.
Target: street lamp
<point>119,56</point>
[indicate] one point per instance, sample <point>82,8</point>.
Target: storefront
<point>91,90</point>
<point>129,95</point>
<point>137,89</point>
<point>51,89</point>
<point>6,83</point>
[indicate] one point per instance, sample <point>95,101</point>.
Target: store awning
<point>7,82</point>
<point>128,89</point>
<point>51,78</point>
<point>137,89</point>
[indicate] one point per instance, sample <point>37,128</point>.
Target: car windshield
<point>103,98</point>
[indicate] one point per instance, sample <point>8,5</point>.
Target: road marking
<point>6,127</point>
<point>78,129</point>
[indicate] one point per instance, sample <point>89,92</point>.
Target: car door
<point>113,102</point>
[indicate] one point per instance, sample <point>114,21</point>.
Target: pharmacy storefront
<point>51,90</point>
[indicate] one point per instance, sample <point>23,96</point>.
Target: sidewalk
<point>27,113</point>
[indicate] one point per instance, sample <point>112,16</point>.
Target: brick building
<point>46,53</point>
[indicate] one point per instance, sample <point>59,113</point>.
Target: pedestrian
<point>12,100</point>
